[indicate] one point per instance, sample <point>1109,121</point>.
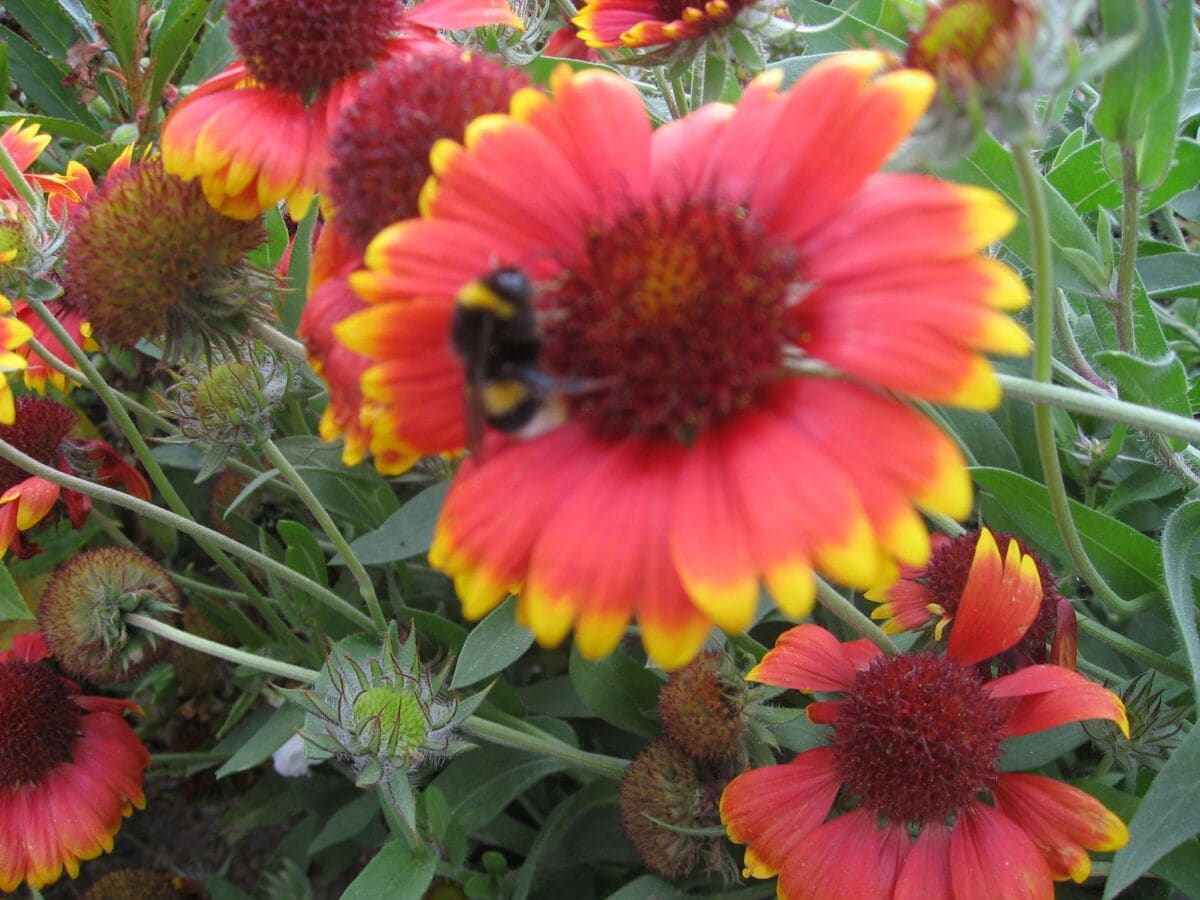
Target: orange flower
<point>647,23</point>
<point>14,337</point>
<point>41,429</point>
<point>70,769</point>
<point>695,287</point>
<point>38,371</point>
<point>934,591</point>
<point>916,742</point>
<point>25,144</point>
<point>258,132</point>
<point>379,159</point>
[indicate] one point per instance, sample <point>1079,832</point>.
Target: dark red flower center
<point>670,319</point>
<point>379,152</point>
<point>39,722</point>
<point>306,46</point>
<point>38,431</point>
<point>917,738</point>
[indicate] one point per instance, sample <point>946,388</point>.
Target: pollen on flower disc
<point>671,317</point>
<point>38,431</point>
<point>379,151</point>
<point>306,46</point>
<point>39,722</point>
<point>916,737</point>
<point>147,248</point>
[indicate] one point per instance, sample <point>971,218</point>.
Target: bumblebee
<point>495,333</point>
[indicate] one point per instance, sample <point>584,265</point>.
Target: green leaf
<point>398,871</point>
<point>1032,751</point>
<point>12,604</point>
<point>851,32</point>
<point>406,533</point>
<point>1132,87</point>
<point>223,889</point>
<point>214,53</point>
<point>47,23</point>
<point>649,887</point>
<point>303,553</point>
<point>618,690</point>
<point>493,645</point>
<point>118,21</point>
<point>1084,182</point>
<point>182,22</point>
<point>1157,147</point>
<point>1178,540</point>
<point>282,724</point>
<point>990,165</point>
<point>1170,274</point>
<point>61,127</point>
<point>1160,383</point>
<point>347,822</point>
<point>480,784</point>
<point>599,793</point>
<point>1127,559</point>
<point>1167,816</point>
<point>41,79</point>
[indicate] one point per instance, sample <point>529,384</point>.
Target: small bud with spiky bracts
<point>148,258</point>
<point>1155,727</point>
<point>385,712</point>
<point>669,810</point>
<point>224,403</point>
<point>83,609</point>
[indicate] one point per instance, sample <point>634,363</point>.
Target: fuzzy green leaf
<point>1178,543</point>
<point>397,871</point>
<point>493,645</point>
<point>12,604</point>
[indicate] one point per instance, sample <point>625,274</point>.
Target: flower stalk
<point>849,614</point>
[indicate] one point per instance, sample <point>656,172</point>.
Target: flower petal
<point>1063,821</point>
<point>999,602</point>
<point>992,858</point>
<point>1052,696</point>
<point>773,808</point>
<point>925,874</point>
<point>809,658</point>
<point>844,858</point>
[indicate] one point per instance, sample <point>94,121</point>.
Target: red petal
<point>808,658</point>
<point>992,858</point>
<point>999,602</point>
<point>926,871</point>
<point>844,858</point>
<point>1052,696</point>
<point>1063,821</point>
<point>772,809</point>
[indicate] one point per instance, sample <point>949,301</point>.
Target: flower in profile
<point>14,335</point>
<point>933,593</point>
<point>694,286</point>
<point>379,160</point>
<point>83,608</point>
<point>71,768</point>
<point>912,772</point>
<point>41,429</point>
<point>257,133</point>
<point>147,257</point>
<point>24,143</point>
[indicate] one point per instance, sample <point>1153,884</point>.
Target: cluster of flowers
<point>735,311</point>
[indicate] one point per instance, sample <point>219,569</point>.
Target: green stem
<point>668,94</point>
<point>203,587</point>
<point>1066,340</point>
<point>1131,199</point>
<point>541,743</point>
<point>1134,650</point>
<point>279,342</point>
<point>1043,347</point>
<point>190,527</point>
<point>395,817</point>
<point>10,170</point>
<point>1143,417</point>
<point>222,651</point>
<point>849,614</point>
<point>353,563</point>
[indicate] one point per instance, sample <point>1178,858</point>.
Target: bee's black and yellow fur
<point>495,332</point>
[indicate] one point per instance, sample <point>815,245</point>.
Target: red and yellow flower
<point>933,592</point>
<point>14,336</point>
<point>908,799</point>
<point>41,429</point>
<point>696,286</point>
<point>25,144</point>
<point>71,768</point>
<point>649,23</point>
<point>258,132</point>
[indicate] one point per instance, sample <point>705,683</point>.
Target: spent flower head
<point>83,609</point>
